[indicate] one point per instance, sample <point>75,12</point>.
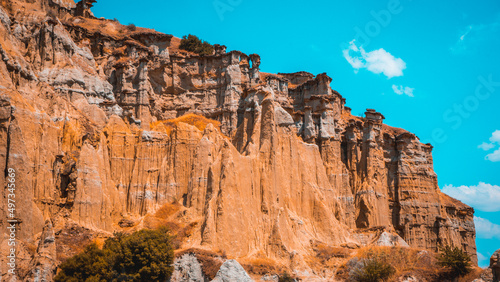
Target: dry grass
<point>474,274</point>
<point>165,217</point>
<point>99,242</point>
<point>107,27</point>
<point>198,121</point>
<point>405,261</point>
<point>325,257</point>
<point>167,210</point>
<point>183,234</point>
<point>325,252</point>
<point>71,240</point>
<point>262,266</point>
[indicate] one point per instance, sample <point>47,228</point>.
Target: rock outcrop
<point>187,268</point>
<point>495,266</point>
<point>86,110</point>
<point>230,271</point>
<point>44,262</point>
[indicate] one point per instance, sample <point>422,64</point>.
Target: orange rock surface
<point>92,118</point>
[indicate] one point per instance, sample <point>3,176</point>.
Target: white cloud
<point>377,61</point>
<point>494,157</point>
<point>495,140</point>
<point>403,90</point>
<point>495,136</point>
<point>484,197</point>
<point>486,146</point>
<point>486,229</point>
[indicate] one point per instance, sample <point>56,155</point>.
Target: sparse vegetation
<point>167,210</point>
<point>325,252</point>
<point>455,260</point>
<point>145,255</point>
<point>388,264</point>
<point>373,270</point>
<point>131,27</point>
<point>193,44</point>
<point>285,277</point>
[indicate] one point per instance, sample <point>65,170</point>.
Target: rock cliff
<point>105,124</point>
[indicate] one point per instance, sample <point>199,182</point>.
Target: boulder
<point>232,271</point>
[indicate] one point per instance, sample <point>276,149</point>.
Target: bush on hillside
<point>90,265</point>
<point>131,27</point>
<point>372,270</point>
<point>193,44</point>
<point>145,255</point>
<point>458,262</point>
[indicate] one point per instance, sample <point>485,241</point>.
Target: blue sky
<point>431,68</point>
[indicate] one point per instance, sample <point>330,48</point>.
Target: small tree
<point>456,260</point>
<point>131,27</point>
<point>145,255</point>
<point>193,44</point>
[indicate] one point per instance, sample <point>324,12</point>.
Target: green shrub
<point>131,27</point>
<point>91,265</point>
<point>193,44</point>
<point>145,255</point>
<point>456,260</point>
<point>373,270</point>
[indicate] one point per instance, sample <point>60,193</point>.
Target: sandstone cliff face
<point>82,109</point>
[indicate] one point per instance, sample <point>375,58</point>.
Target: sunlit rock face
<point>82,105</point>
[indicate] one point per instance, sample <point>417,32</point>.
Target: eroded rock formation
<point>82,109</point>
<point>495,265</point>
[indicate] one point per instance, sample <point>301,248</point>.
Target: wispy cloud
<point>469,28</point>
<point>484,197</point>
<point>481,257</point>
<point>473,35</point>
<point>377,61</point>
<point>486,229</point>
<point>400,90</point>
<point>482,260</point>
<point>486,146</point>
<point>494,143</point>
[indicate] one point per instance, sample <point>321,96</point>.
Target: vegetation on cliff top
<point>145,255</point>
<point>193,44</point>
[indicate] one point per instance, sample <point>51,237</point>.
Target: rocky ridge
<point>83,110</point>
